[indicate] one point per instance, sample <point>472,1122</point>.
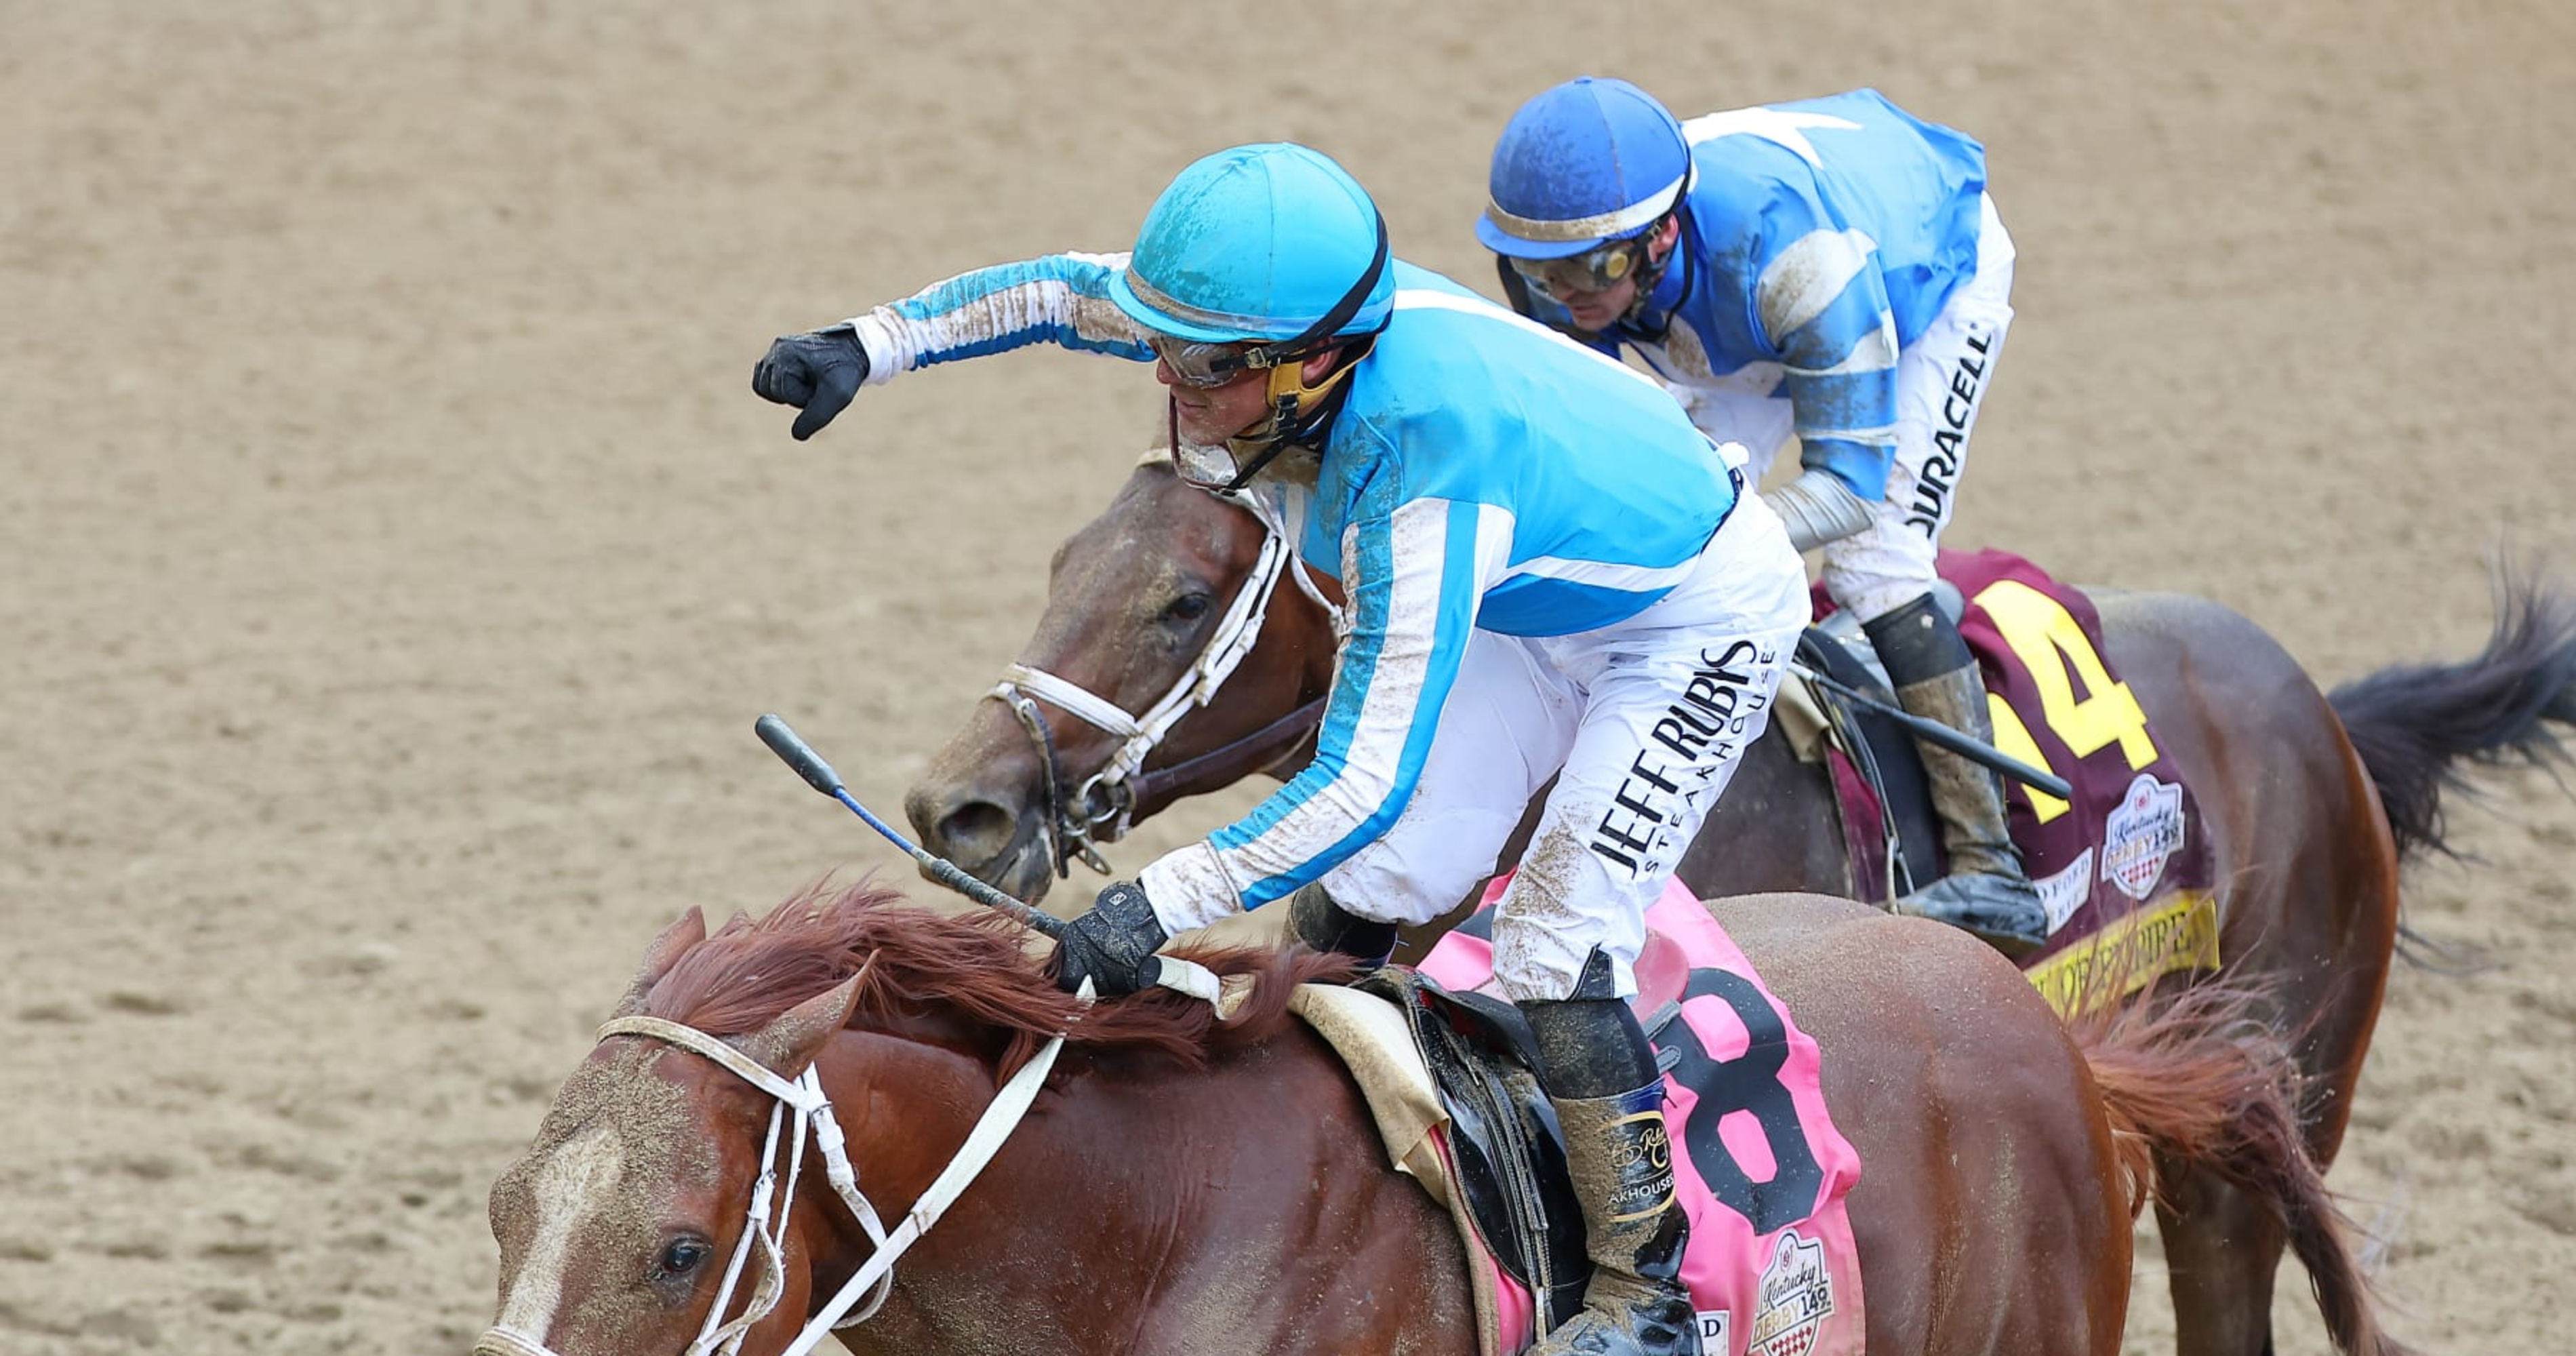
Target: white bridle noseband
<point>1098,811</point>
<point>801,1103</point>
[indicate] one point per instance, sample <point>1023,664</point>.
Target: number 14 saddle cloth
<point>2124,867</point>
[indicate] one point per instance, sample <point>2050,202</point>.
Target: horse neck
<point>1137,1194</point>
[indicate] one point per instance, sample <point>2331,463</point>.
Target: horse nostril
<point>974,833</point>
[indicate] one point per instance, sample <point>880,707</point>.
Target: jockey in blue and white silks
<point>1549,572</point>
<point>1831,267</point>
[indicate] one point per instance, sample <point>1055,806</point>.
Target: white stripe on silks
<point>1876,352</point>
<point>566,1193</point>
<point>1781,127</point>
<point>1425,299</point>
<point>1884,433</point>
<point>1802,280</point>
<point>1602,574</point>
<point>1419,550</point>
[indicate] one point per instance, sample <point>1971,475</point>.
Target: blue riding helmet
<point>1261,242</point>
<point>1585,163</point>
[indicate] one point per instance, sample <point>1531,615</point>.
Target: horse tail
<point>2199,1075</point>
<point>2416,726</point>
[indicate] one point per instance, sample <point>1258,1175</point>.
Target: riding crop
<point>1179,975</point>
<point>1934,732</point>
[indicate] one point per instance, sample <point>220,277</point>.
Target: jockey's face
<point>1597,308</point>
<point>1209,415</point>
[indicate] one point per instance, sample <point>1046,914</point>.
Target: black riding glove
<point>1112,945</point>
<point>818,372</point>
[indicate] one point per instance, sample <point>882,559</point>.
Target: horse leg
<point>2223,1244</point>
<point>2222,1251</point>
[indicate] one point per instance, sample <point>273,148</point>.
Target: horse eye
<point>681,1256</point>
<point>1189,607</point>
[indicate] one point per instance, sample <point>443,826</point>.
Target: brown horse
<point>2310,801</point>
<point>1143,1206</point>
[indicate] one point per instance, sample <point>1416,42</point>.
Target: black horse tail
<point>2420,727</point>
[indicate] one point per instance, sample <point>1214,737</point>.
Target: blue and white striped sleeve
<point>1414,576</point>
<point>1060,299</point>
<point>1824,308</point>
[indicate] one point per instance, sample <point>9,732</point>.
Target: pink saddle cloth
<point>1759,1167</point>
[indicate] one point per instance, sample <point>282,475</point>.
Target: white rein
<point>1097,806</point>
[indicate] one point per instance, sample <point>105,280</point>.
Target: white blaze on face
<point>569,1195</point>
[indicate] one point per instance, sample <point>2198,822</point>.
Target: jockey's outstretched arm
<point>1823,308</point>
<point>1414,572</point>
<point>1060,299</point>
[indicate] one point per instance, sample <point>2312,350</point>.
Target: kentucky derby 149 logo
<point>2141,835</point>
<point>1797,1296</point>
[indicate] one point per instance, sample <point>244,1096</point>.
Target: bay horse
<point>1180,1186</point>
<point>2310,801</point>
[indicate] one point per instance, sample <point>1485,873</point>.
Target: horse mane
<point>975,965</point>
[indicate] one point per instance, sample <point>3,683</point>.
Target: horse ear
<point>786,1046</point>
<point>685,932</point>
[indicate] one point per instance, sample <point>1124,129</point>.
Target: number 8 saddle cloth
<point>1758,1165</point>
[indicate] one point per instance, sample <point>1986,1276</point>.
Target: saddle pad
<point>1762,1172</point>
<point>2124,868</point>
<point>1374,1042</point>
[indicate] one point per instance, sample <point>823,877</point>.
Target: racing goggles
<point>1205,366</point>
<point>1595,270</point>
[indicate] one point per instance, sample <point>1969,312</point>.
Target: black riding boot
<point>1599,1072</point>
<point>1315,919</point>
<point>1986,890</point>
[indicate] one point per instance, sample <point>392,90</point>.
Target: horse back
<point>2307,862</point>
<point>1991,1212</point>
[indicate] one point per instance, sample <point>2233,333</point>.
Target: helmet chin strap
<point>1651,270</point>
<point>1295,410</point>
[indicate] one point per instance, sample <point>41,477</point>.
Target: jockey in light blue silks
<point>1550,572</point>
<point>1832,267</point>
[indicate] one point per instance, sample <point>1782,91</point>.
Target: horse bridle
<point>1101,809</point>
<point>800,1104</point>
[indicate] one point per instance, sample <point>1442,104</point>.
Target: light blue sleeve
<point>1060,299</point>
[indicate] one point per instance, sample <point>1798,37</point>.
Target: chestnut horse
<point>2309,802</point>
<point>1182,1185</point>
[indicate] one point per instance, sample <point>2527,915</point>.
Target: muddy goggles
<point>1595,270</point>
<point>1204,366</point>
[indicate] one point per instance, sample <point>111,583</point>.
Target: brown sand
<point>396,558</point>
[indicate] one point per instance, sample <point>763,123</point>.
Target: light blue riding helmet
<point>1263,242</point>
<point>1587,162</point>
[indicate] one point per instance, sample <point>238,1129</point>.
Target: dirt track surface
<point>396,558</point>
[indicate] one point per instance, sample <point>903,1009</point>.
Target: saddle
<point>1506,1149</point>
<point>2122,867</point>
<point>1904,854</point>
